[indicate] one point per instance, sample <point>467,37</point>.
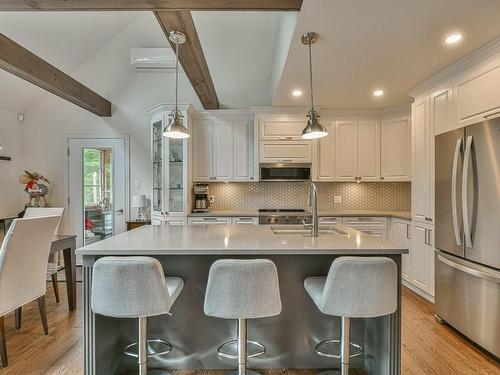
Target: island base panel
<point>289,338</point>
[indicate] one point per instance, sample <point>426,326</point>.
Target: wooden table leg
<point>70,270</point>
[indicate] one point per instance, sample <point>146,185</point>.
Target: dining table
<point>66,243</point>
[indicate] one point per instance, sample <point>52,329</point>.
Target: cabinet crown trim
<point>473,58</point>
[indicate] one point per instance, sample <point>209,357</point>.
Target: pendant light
<point>175,127</point>
<point>313,128</point>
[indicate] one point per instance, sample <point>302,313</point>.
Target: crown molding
<point>228,114</point>
<point>473,58</point>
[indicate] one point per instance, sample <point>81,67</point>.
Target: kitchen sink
<point>293,229</point>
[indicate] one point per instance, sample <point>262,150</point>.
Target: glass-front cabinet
<point>169,199</point>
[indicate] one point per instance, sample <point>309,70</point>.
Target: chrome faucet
<point>312,202</point>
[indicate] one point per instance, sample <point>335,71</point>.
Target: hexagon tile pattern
<point>390,196</point>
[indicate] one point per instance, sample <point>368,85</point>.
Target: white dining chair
<point>53,264</point>
<point>23,269</point>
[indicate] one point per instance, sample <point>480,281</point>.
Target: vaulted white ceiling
<point>388,44</point>
<point>256,58</point>
<point>63,39</point>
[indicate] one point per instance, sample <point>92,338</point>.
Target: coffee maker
<point>201,199</point>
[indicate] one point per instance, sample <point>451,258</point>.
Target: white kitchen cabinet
<point>285,151</point>
<point>395,149</point>
<point>245,220</point>
<point>222,143</point>
<point>442,111</point>
<point>346,150</point>
<point>281,130</point>
<point>202,150</point>
<point>368,150</point>
<point>243,138</point>
<point>169,162</point>
<point>323,155</point>
<point>329,220</point>
<point>370,225</point>
<point>400,234</point>
<point>223,150</point>
<point>208,220</point>
<point>357,150</point>
<point>422,257</point>
<point>422,192</point>
<point>478,92</point>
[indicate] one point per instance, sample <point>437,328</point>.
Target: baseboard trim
<point>419,291</point>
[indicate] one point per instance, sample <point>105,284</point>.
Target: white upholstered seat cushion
<point>356,287</point>
<point>242,289</point>
<point>132,287</point>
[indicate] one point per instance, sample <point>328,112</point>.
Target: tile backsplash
<point>391,196</point>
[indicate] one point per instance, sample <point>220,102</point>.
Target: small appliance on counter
<point>201,199</point>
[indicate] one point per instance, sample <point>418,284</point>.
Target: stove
<point>284,216</point>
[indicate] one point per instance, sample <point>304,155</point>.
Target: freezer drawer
<point>468,298</point>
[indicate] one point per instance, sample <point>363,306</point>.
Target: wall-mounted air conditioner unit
<point>153,60</point>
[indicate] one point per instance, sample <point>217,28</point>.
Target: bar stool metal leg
<point>142,346</point>
<point>242,346</point>
<point>345,345</point>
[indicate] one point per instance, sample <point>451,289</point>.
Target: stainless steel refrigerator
<point>467,231</point>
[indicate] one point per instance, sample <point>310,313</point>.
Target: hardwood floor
<point>428,348</point>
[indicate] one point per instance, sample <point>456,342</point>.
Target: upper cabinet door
<point>441,111</point>
<point>323,156</point>
<point>281,130</point>
<point>222,151</point>
<point>202,150</point>
<point>368,150</point>
<point>421,189</point>
<point>396,149</point>
<point>478,93</point>
<point>243,151</point>
<point>346,150</point>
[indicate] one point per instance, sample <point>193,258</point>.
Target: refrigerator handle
<point>465,178</point>
<point>470,268</point>
<point>456,229</point>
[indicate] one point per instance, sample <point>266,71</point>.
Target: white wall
<point>11,191</point>
<point>52,120</point>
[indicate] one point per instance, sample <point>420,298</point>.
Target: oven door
<point>285,172</point>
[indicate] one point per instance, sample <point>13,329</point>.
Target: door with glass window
<point>97,188</point>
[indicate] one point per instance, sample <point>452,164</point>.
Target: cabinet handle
<point>284,138</point>
<point>381,178</point>
<point>407,232</point>
<point>286,161</point>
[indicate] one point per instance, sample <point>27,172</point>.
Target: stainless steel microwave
<point>285,172</point>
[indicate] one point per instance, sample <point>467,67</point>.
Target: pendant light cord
<point>176,71</point>
<point>311,76</point>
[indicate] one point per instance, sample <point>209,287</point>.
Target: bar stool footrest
<point>254,349</point>
<point>355,349</point>
<point>156,348</point>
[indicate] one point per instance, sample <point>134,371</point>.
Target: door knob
<point>120,211</point>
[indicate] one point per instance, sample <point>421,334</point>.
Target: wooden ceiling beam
<point>191,55</point>
<point>28,66</point>
<point>177,5</point>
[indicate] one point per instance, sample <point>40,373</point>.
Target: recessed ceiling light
<point>378,93</point>
<point>297,92</point>
<point>453,38</point>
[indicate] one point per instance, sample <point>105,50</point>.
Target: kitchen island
<point>189,251</point>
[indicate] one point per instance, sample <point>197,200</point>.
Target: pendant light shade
<point>313,129</point>
<point>175,128</point>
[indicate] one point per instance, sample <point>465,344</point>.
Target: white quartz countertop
<point>237,240</point>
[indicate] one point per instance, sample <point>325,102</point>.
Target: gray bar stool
<point>356,287</point>
<point>135,287</point>
<point>242,289</point>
